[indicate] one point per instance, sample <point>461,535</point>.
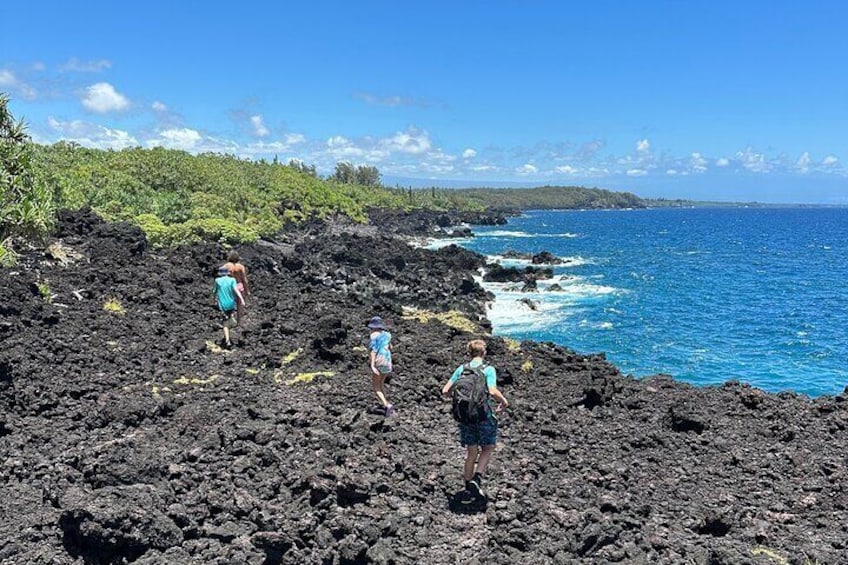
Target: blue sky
<point>709,100</point>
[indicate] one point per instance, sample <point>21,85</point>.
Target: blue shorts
<point>482,434</point>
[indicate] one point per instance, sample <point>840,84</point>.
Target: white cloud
<point>258,126</point>
<point>273,147</point>
<point>527,169</point>
<point>10,81</point>
<point>411,141</point>
<point>671,172</point>
<point>753,161</point>
<point>186,139</point>
<point>588,150</point>
<point>643,146</point>
<point>698,163</point>
<point>337,141</point>
<point>295,138</point>
<point>830,161</point>
<point>567,170</point>
<point>636,172</point>
<point>469,154</point>
<point>76,65</point>
<point>159,106</point>
<point>91,135</point>
<point>102,98</point>
<point>722,162</point>
<point>803,163</point>
<point>339,147</point>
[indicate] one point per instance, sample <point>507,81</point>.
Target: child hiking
<point>228,297</point>
<point>380,360</point>
<point>471,387</point>
<point>238,272</point>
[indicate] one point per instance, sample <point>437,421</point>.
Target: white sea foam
<point>510,313</point>
<point>575,261</point>
<point>508,261</point>
<point>595,325</point>
<point>505,233</point>
<point>567,234</point>
<point>438,243</point>
<point>510,310</point>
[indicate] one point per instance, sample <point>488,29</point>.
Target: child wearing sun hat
<point>380,357</point>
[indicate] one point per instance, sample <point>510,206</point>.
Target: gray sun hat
<point>376,323</point>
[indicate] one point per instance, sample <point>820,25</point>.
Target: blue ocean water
<point>706,295</point>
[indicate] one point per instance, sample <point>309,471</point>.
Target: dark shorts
<point>228,318</point>
<point>482,434</point>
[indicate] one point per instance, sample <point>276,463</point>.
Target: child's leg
<point>226,334</point>
<point>240,315</point>
<point>377,385</point>
<point>485,456</point>
<point>470,460</point>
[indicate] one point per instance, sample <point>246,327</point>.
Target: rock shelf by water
<point>128,436</point>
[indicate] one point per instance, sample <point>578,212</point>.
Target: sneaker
<point>389,410</point>
<point>475,485</point>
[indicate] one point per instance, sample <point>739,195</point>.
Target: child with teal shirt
<point>228,297</point>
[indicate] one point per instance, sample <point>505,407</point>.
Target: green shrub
<point>44,291</point>
<point>27,206</point>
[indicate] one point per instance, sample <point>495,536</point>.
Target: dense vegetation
<point>26,203</point>
<point>180,198</point>
<point>550,197</point>
<point>174,196</point>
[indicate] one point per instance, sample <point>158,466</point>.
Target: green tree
<point>368,175</point>
<point>26,204</point>
<point>345,173</point>
<point>302,167</point>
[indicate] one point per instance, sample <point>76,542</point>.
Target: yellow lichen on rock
<point>512,344</point>
<point>451,318</point>
<point>114,306</point>
<point>307,377</point>
<point>772,555</point>
<point>196,380</point>
<point>291,356</point>
<point>527,366</point>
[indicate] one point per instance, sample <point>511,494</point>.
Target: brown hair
<point>233,257</point>
<point>476,348</point>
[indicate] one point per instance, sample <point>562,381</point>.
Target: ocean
<point>706,295</point>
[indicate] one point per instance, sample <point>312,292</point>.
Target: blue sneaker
<point>390,409</point>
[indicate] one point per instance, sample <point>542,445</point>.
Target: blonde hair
<point>476,348</point>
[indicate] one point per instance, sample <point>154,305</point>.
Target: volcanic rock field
<point>127,435</point>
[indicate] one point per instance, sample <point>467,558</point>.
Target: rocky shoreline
<point>128,436</point>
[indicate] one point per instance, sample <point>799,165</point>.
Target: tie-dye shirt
<point>380,341</point>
